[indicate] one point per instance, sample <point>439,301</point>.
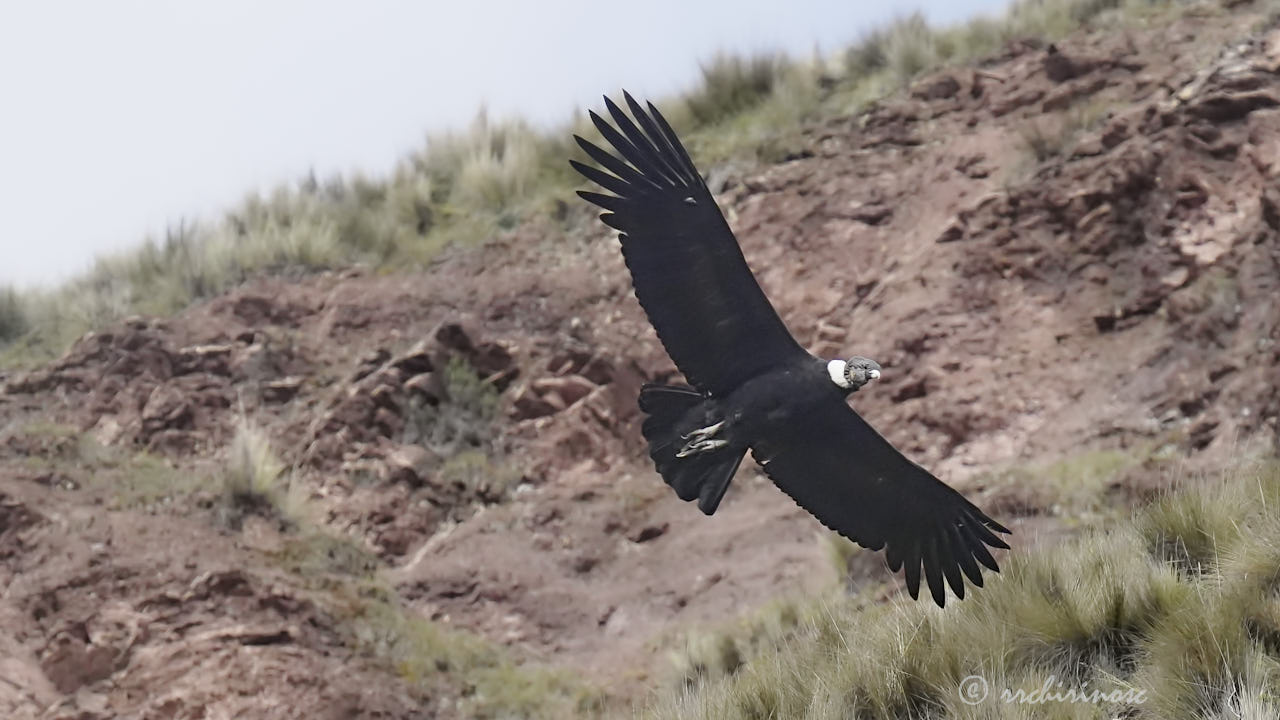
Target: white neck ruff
<point>836,369</point>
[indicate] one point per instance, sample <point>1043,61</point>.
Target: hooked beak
<point>873,374</point>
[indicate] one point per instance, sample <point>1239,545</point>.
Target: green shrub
<point>464,418</point>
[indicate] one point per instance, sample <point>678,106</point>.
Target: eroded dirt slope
<point>1067,249</point>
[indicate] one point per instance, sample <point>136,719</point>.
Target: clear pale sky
<point>119,117</point>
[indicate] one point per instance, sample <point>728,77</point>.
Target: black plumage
<point>754,387</point>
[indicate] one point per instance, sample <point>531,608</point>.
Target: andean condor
<point>754,386</point>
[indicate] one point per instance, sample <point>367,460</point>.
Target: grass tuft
<point>910,48</point>
<point>732,84</point>
<point>253,483</point>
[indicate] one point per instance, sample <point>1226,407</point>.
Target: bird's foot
<point>703,433</point>
<point>701,446</point>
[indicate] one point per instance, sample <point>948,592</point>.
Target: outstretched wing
<point>836,466</point>
<point>687,269</point>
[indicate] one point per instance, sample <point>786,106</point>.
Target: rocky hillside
<point>361,494</point>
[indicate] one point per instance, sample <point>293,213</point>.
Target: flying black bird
<point>754,387</point>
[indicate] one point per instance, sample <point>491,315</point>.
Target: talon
<point>701,446</point>
<point>703,433</point>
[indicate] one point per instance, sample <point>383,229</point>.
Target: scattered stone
<point>649,532</point>
<point>569,389</point>
<point>1017,100</point>
<point>388,423</point>
<point>455,336</point>
<point>167,408</point>
<point>71,663</point>
<point>938,87</point>
<point>395,540</point>
<point>871,214</point>
<point>254,363</point>
<point>416,360</point>
<point>259,310</point>
<point>528,405</point>
<point>107,430</point>
<point>1115,133</point>
<point>1063,97</point>
<point>496,363</point>
<point>954,231</point>
<point>1224,107</point>
<point>213,359</point>
<point>384,396</point>
<point>370,362</point>
<point>282,390</point>
<point>599,371</point>
<point>1060,67</point>
<point>1270,204</point>
<point>410,464</point>
<point>424,385</point>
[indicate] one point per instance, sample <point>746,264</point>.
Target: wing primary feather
<point>659,140</point>
<point>993,524</point>
<point>911,561</point>
<point>980,529</point>
<point>933,571</point>
<point>964,557</point>
<point>642,143</point>
<point>608,202</point>
<point>893,557</point>
<point>947,555</point>
<point>628,150</point>
<point>615,185</point>
<point>612,221</point>
<point>674,142</point>
<point>980,552</point>
<point>616,166</point>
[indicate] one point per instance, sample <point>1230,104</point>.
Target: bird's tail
<point>702,476</point>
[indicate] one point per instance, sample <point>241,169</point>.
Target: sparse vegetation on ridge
<point>464,187</point>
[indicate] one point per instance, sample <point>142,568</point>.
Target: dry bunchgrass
<point>910,48</point>
<point>1180,606</point>
<point>732,84</point>
<point>255,482</point>
<point>1052,136</point>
